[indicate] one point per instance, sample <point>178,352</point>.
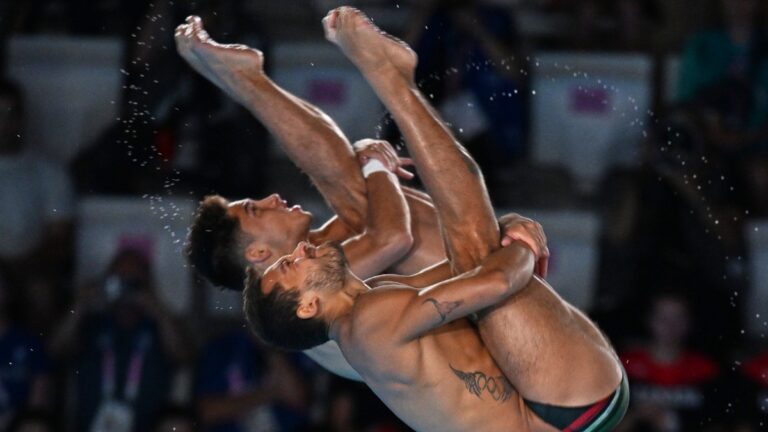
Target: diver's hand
<point>367,149</point>
<point>515,227</point>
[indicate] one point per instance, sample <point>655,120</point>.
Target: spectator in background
<point>352,407</point>
<point>754,390</point>
<point>24,369</point>
<point>105,17</point>
<point>176,419</point>
<point>343,411</point>
<point>724,81</point>
<point>242,387</point>
<point>614,24</point>
<point>690,224</point>
<point>37,203</point>
<point>33,421</point>
<point>711,154</point>
<point>173,126</point>
<point>41,305</point>
<point>669,380</point>
<point>131,156</point>
<point>123,344</point>
<point>12,15</point>
<point>471,64</point>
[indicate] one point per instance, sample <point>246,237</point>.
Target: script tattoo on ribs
<point>477,382</point>
<point>443,308</point>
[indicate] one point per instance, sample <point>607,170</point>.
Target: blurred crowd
<point>108,355</point>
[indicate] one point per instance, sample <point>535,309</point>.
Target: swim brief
<point>601,416</point>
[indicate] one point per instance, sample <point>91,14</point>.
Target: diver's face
<point>271,222</point>
<point>320,269</point>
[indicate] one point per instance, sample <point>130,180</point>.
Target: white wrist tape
<point>372,166</point>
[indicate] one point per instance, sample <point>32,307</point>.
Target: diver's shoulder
<point>378,311</point>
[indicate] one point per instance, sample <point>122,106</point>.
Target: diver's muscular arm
<point>513,227</point>
<point>500,275</point>
<point>387,236</point>
<point>386,239</point>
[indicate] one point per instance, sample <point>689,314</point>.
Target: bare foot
<point>367,46</point>
<point>228,66</point>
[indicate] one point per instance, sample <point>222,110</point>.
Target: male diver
<point>541,364</point>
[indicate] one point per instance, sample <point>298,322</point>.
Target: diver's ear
<point>257,253</point>
<point>309,306</point>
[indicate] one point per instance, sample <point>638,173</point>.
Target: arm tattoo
<point>476,382</point>
<point>443,308</point>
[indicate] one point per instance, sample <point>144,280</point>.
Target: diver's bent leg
<point>450,175</point>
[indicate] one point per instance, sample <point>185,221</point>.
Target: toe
<point>332,17</point>
<point>342,16</point>
<point>196,23</point>
<point>356,18</point>
<point>330,23</point>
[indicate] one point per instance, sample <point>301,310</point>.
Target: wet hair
<point>272,317</point>
<point>215,244</point>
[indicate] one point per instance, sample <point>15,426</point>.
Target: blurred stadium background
<point>635,131</point>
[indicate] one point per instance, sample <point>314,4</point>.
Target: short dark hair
<point>215,243</point>
<point>272,317</point>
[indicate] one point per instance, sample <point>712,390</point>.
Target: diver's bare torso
<point>443,381</point>
<point>534,331</point>
<point>428,246</point>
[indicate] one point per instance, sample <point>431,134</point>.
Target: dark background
<point>635,131</point>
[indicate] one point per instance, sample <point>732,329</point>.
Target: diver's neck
<point>353,287</point>
<point>345,302</point>
<point>348,295</point>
